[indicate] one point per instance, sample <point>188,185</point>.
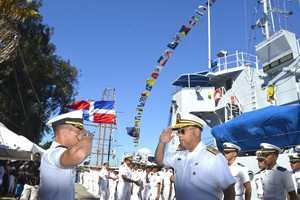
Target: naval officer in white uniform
<point>125,179</point>
<point>201,172</point>
<point>277,181</point>
<point>295,165</point>
<point>71,146</point>
<point>239,172</point>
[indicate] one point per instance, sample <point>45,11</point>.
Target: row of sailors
<point>272,182</point>
<point>132,182</point>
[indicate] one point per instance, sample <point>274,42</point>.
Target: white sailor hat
<point>297,148</point>
<point>128,157</point>
<point>74,118</point>
<point>295,157</point>
<point>187,119</point>
<point>230,146</point>
<point>269,148</point>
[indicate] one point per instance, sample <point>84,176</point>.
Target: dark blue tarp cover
<point>278,125</point>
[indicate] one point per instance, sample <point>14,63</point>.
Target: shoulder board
<point>282,169</point>
<point>61,146</point>
<point>212,150</point>
<point>259,171</point>
<point>240,164</point>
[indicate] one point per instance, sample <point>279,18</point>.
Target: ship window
<point>228,84</point>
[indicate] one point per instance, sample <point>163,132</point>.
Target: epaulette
<point>240,164</point>
<point>212,150</point>
<point>282,169</point>
<point>259,171</point>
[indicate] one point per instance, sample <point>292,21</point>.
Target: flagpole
<point>209,34</point>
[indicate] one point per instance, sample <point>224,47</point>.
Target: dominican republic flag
<point>96,111</point>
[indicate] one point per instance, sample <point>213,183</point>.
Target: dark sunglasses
<point>260,159</point>
<point>182,131</point>
<point>227,152</point>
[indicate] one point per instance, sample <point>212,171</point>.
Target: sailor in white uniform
<point>167,192</point>
<point>103,182</point>
<point>258,181</point>
<point>238,171</point>
<point>277,181</point>
<point>200,171</point>
<point>71,146</point>
<point>125,179</point>
<point>146,181</point>
<point>295,165</point>
<point>155,183</point>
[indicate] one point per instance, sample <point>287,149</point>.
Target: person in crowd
<point>2,173</point>
<point>238,171</point>
<point>295,166</point>
<point>200,170</point>
<point>277,182</point>
<point>146,181</point>
<point>113,183</point>
<point>32,178</point>
<point>167,186</point>
<point>125,179</point>
<point>104,176</point>
<point>11,181</point>
<point>258,181</point>
<point>155,183</point>
<point>71,146</point>
<point>136,176</point>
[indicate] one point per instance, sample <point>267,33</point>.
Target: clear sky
<point>116,44</point>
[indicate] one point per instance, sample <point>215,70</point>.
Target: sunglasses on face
<point>182,131</point>
<point>260,159</point>
<point>227,152</point>
<point>294,161</point>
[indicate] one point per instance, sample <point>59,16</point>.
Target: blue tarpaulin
<point>278,125</point>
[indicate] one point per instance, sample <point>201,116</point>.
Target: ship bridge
<point>211,95</point>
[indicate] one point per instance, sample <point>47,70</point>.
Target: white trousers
<point>30,192</point>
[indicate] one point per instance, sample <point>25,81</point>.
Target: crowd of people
<point>20,179</point>
<point>194,171</point>
<point>131,180</point>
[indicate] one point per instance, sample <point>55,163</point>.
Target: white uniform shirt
<point>103,174</point>
<point>240,173</point>
<point>200,173</point>
<point>167,184</point>
<point>124,188</point>
<point>296,180</point>
<point>258,181</point>
<point>55,182</point>
<point>277,182</point>
<point>146,185</point>
<point>112,186</point>
<point>155,181</point>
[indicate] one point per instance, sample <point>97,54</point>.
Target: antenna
<point>209,34</point>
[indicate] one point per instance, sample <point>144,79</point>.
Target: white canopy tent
<point>14,146</point>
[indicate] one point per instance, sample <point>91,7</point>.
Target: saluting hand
<point>166,136</point>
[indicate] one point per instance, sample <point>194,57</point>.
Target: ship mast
<point>209,34</point>
<point>265,20</point>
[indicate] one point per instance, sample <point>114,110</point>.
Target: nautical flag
<point>133,131</point>
<point>80,105</point>
<point>101,112</point>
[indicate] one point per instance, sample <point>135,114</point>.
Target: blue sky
<point>116,44</point>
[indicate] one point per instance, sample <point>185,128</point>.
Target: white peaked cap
<point>228,145</point>
<point>269,147</point>
<point>187,119</point>
<point>74,118</point>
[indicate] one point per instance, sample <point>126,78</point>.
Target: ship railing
<point>238,59</point>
